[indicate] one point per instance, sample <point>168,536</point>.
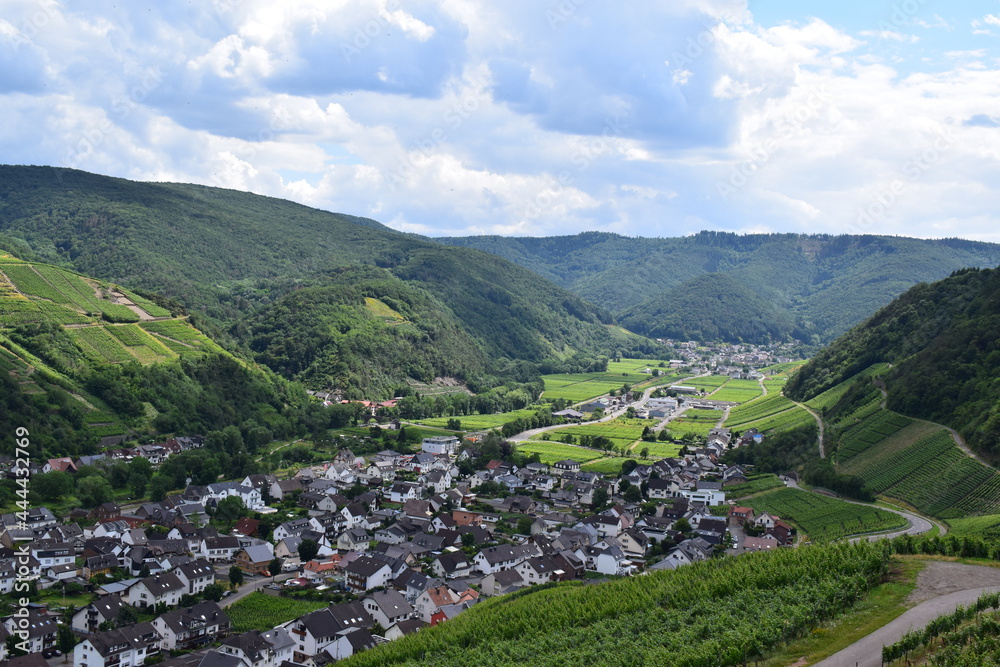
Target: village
<point>395,541</point>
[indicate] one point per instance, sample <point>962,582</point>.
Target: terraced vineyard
<point>872,429</point>
<point>929,473</point>
<point>822,518</point>
<point>758,409</point>
<point>831,396</point>
<point>755,484</point>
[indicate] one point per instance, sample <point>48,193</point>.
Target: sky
<point>529,117</point>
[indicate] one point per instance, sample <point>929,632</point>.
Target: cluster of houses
<point>155,453</point>
<point>726,359</point>
<point>416,547</point>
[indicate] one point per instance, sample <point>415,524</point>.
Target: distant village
<point>395,541</point>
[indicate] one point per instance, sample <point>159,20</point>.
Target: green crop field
<point>755,484</point>
<point>657,450</point>
<point>708,382</point>
<point>699,422</point>
<point>101,345</point>
<point>758,409</point>
<point>550,452</point>
<point>480,422</point>
<point>782,421</point>
<point>611,467</point>
<point>622,432</point>
<point>822,518</point>
<point>921,465</point>
<point>875,428</point>
<point>258,611</point>
<point>737,391</point>
<point>578,387</point>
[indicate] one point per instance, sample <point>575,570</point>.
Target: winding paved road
<point>867,652</point>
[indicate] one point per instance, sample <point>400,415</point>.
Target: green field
<point>737,391</point>
<point>657,450</point>
<point>550,452</point>
<point>782,421</point>
<point>822,518</point>
<point>480,422</point>
<point>987,526</point>
<point>622,432</point>
<point>755,410</point>
<point>578,387</point>
<point>699,422</point>
<point>755,484</point>
<point>708,382</point>
<point>258,611</point>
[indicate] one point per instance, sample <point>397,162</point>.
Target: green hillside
<point>714,306</point>
<point>821,284</point>
<point>82,359</point>
<point>231,257</point>
<point>941,340</point>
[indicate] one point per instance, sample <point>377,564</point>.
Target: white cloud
<point>471,116</point>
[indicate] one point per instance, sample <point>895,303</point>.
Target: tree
<point>127,615</point>
<point>274,567</point>
<point>682,525</point>
<point>138,482</point>
<point>600,499</point>
<point>229,509</point>
<point>65,640</point>
<point>633,495</point>
<point>92,491</point>
<point>158,487</point>
<point>12,646</point>
<point>308,550</point>
<point>524,525</point>
<point>213,592</point>
<point>644,453</point>
<point>468,540</point>
<point>235,576</point>
<point>52,485</point>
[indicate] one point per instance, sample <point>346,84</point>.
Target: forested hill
<point>230,258</point>
<point>942,341</point>
<point>819,285</point>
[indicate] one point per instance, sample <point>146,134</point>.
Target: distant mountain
<point>239,262</point>
<point>942,341</point>
<point>817,287</point>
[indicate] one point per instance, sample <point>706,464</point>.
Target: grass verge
<point>885,602</point>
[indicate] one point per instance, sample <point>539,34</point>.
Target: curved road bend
<point>867,651</point>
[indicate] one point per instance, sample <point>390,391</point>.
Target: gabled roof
<point>160,584</point>
<point>179,620</point>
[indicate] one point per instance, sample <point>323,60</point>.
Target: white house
<point>124,647</point>
<point>387,607</point>
<point>163,588</point>
<point>440,444</point>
